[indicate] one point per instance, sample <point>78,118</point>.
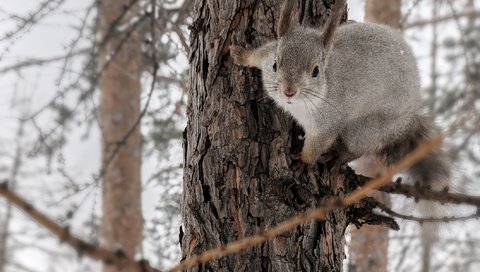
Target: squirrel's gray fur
<point>366,93</point>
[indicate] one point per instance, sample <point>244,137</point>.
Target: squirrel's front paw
<point>238,54</point>
<point>308,157</point>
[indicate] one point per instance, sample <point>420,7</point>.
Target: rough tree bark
<point>122,221</point>
<point>369,245</point>
<point>238,176</point>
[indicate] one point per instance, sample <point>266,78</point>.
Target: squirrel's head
<point>293,67</point>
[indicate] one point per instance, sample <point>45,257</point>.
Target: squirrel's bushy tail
<point>432,171</point>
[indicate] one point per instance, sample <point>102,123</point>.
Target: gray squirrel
<point>355,82</point>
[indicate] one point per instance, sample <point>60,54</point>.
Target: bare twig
<point>94,82</point>
<point>417,192</point>
<point>440,19</point>
<point>409,11</point>
<point>44,9</point>
<point>21,267</point>
<point>74,43</point>
<point>38,62</point>
<point>422,220</point>
<point>112,28</point>
<point>26,23</point>
<point>63,233</point>
<point>6,222</point>
<point>126,35</point>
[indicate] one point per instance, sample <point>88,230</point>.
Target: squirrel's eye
<point>315,71</point>
<point>274,66</point>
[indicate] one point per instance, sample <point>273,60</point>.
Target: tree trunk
<point>122,221</point>
<point>5,254</point>
<point>425,235</point>
<point>5,218</point>
<point>387,12</point>
<point>369,245</point>
<point>237,176</point>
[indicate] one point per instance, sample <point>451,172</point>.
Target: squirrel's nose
<point>289,92</point>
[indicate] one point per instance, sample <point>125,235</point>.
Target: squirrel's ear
<point>285,23</point>
<point>336,15</point>
<point>252,57</point>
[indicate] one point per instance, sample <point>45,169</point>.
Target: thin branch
<point>112,28</point>
<point>182,14</point>
<point>126,35</point>
<point>33,17</point>
<point>5,226</point>
<point>409,11</point>
<point>74,43</point>
<point>96,252</point>
<point>470,67</point>
<point>166,170</point>
<point>21,267</point>
<point>38,62</point>
<point>417,192</point>
<point>421,220</point>
<point>94,80</point>
<point>441,19</point>
<point>27,23</point>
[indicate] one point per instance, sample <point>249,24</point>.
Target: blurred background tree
<point>103,48</point>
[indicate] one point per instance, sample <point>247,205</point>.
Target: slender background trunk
<point>387,12</point>
<point>425,236</point>
<point>369,244</point>
<point>122,221</point>
<point>237,176</point>
<point>5,254</point>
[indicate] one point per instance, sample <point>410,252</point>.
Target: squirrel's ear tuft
<point>336,15</point>
<point>285,23</point>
